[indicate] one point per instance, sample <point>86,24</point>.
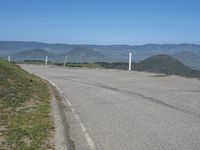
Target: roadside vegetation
<point>81,65</point>
<point>25,114</point>
<point>164,64</point>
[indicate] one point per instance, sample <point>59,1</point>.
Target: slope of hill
<point>34,54</point>
<point>85,55</point>
<point>165,64</point>
<point>189,59</point>
<point>25,116</point>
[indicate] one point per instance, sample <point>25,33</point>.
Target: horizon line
<point>63,43</point>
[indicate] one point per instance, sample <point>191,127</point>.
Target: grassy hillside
<point>25,120</point>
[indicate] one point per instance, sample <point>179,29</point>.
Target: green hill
<point>167,65</point>
<point>164,64</point>
<point>25,121</point>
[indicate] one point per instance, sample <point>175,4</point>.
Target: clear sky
<point>101,21</point>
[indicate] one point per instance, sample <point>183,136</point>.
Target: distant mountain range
<point>75,55</point>
<point>34,54</point>
<point>189,59</point>
<point>186,53</point>
<point>82,54</point>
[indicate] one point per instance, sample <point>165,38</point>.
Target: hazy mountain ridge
<point>74,55</point>
<point>113,53</point>
<point>34,54</point>
<point>189,59</point>
<point>82,54</point>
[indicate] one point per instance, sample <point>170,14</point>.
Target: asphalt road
<point>121,110</point>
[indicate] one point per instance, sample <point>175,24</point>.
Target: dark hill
<point>165,64</point>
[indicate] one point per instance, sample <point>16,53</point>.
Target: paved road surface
<point>121,110</point>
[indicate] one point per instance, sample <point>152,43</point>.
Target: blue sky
<point>101,21</point>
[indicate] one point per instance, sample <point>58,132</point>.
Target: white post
<point>46,61</point>
<point>65,61</point>
<point>130,57</point>
<point>9,58</point>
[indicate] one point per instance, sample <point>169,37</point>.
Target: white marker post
<point>130,59</point>
<point>46,61</point>
<point>8,58</point>
<point>65,61</point>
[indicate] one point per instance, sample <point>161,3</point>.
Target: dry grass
<point>25,114</point>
